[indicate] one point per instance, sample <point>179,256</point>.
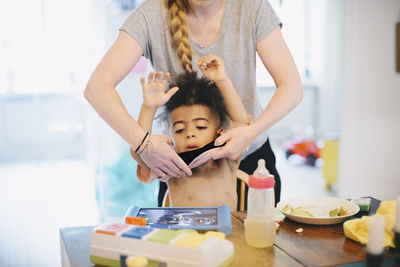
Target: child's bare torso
<point>211,184</point>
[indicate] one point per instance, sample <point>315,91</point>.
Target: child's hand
<point>154,94</point>
<point>213,68</point>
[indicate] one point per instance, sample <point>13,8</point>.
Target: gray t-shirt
<point>244,24</point>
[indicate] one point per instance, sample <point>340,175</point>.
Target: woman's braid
<point>179,31</point>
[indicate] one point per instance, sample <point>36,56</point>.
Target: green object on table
<point>164,236</point>
<point>364,203</point>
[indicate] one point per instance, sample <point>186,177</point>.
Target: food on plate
<point>337,212</point>
<point>314,211</point>
<point>318,210</point>
<point>301,212</point>
<point>333,213</point>
<point>342,212</point>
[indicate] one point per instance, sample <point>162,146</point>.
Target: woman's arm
<point>102,95</point>
<point>276,57</point>
<point>279,62</point>
<point>145,120</point>
<point>100,91</point>
<point>154,96</point>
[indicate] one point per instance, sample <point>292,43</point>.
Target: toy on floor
<point>118,244</point>
<point>306,148</point>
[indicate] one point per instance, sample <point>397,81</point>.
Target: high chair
<point>241,175</point>
<point>244,179</point>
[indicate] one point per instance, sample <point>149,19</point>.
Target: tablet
<point>198,218</point>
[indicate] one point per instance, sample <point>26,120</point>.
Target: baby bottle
<point>259,226</point>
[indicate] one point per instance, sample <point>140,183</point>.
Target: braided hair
<point>177,10</point>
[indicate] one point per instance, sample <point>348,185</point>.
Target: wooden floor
<point>38,198</point>
<point>299,180</point>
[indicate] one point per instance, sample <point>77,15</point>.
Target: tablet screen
<point>184,217</point>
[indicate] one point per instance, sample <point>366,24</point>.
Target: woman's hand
<point>162,159</point>
<point>213,68</point>
<point>154,94</point>
<point>237,141</point>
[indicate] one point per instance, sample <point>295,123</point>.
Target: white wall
<point>105,145</point>
<point>313,31</point>
<point>370,114</point>
<point>328,69</point>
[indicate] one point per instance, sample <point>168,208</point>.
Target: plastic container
<point>112,243</point>
<point>259,226</point>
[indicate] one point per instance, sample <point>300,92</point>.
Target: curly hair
<point>196,91</point>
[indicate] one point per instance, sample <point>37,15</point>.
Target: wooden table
<point>75,249</point>
<point>322,245</point>
<point>315,246</point>
<point>248,256</point>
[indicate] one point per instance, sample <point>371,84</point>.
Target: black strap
<point>189,156</point>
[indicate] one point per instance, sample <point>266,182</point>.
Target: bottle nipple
<point>261,171</point>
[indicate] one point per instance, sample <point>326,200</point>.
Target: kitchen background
<point>61,165</point>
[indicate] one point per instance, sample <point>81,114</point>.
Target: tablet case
<point>223,225</point>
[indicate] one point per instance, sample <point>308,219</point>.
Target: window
<point>43,45</point>
<point>44,54</point>
<point>293,15</point>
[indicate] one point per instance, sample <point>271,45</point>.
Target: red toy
<point>306,148</point>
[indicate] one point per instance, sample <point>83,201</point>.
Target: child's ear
<point>170,134</point>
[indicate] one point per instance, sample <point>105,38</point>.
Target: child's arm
<point>213,69</point>
<point>154,96</point>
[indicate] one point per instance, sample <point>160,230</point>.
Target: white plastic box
<point>111,243</point>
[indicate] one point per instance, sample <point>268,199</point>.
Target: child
<point>196,110</point>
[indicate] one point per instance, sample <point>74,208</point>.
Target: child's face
<point>193,127</point>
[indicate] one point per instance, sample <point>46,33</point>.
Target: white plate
<point>322,203</point>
